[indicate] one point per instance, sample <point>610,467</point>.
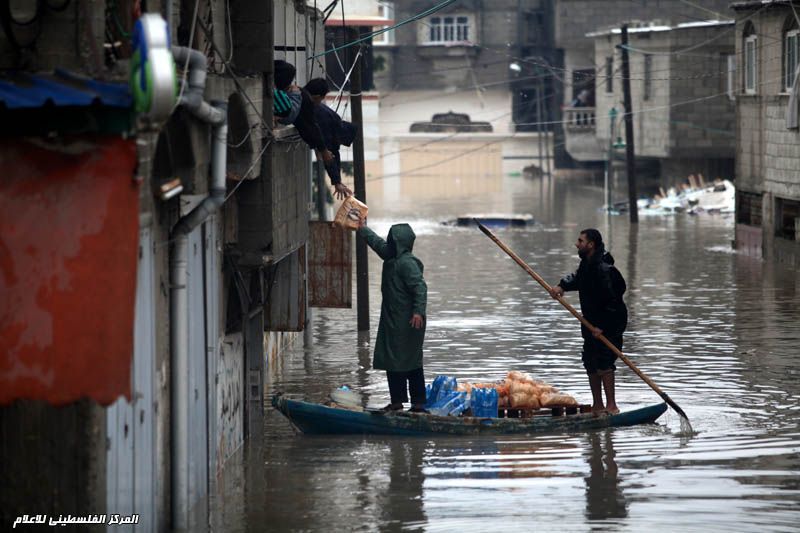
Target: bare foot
<point>612,409</point>
<point>598,408</point>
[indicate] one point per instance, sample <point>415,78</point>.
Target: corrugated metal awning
<point>23,90</point>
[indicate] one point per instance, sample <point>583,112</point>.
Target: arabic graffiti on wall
<point>230,391</point>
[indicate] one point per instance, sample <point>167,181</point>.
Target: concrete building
<point>767,137</point>
<point>137,339</point>
<point>574,20</point>
<point>681,95</point>
<point>488,60</point>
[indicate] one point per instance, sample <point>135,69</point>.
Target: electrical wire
<point>370,35</point>
<point>502,139</point>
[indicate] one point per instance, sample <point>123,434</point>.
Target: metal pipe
<point>216,115</point>
<point>179,380</point>
<point>192,96</point>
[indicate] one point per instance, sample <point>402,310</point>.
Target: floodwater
<point>716,330</point>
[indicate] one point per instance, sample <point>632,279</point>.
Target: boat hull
<point>319,419</point>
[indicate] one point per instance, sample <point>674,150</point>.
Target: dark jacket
<point>600,287</point>
<point>335,131</point>
<point>306,123</point>
<point>398,347</point>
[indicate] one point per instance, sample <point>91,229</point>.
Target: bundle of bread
<point>520,391</point>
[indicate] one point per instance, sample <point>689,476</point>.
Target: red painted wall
<point>69,219</point>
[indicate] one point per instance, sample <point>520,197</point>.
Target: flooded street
<point>715,330</point>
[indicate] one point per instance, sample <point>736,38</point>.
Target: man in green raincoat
<point>398,348</point>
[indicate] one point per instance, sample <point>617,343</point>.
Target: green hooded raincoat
<point>399,346</point>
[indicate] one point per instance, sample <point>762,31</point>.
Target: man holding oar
<point>600,287</point>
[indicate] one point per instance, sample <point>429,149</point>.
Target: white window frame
<point>385,10</point>
<point>448,29</point>
<point>791,58</point>
<point>750,70</point>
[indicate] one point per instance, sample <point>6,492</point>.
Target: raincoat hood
<point>402,237</point>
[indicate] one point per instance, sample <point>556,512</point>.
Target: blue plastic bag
<point>484,403</point>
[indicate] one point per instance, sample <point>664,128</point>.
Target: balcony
<point>579,129</point>
<point>579,119</point>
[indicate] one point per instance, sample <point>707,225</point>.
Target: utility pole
<point>539,125</point>
<point>544,118</point>
<point>362,272</point>
<point>629,148</point>
<point>612,119</point>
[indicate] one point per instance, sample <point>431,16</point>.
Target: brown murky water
<point>716,330</point>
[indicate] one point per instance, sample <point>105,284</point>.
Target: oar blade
<point>483,228</point>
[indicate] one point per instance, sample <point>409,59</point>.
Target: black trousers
<point>415,379</point>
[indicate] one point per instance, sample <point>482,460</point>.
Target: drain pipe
<point>214,114</point>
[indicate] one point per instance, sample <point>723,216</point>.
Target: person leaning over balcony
<point>401,330</point>
<point>293,105</point>
<point>335,132</point>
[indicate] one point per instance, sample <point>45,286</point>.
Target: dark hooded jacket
<point>600,287</point>
<point>398,347</point>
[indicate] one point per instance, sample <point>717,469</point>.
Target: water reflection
<point>402,502</point>
<point>604,497</point>
<point>715,330</point>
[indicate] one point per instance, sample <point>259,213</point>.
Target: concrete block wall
<point>706,120</point>
<point>767,154</point>
<point>651,116</point>
<point>686,114</point>
<point>782,151</point>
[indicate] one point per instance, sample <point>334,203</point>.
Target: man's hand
<point>327,156</point>
<point>556,292</point>
<point>416,321</point>
<point>597,332</point>
<point>342,191</point>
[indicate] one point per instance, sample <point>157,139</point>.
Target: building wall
<point>573,19</point>
<point>705,124</point>
<point>497,24</point>
<point>83,458</point>
<point>686,114</point>
<point>767,154</point>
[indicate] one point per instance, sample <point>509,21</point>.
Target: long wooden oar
<point>583,320</point>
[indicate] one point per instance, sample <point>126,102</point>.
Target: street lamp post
<point>612,119</point>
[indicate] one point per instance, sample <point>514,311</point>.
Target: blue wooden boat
<point>314,418</point>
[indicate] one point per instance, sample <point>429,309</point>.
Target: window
<point>791,57</point>
<point>385,10</point>
<point>609,74</point>
<point>787,222</point>
<point>748,208</point>
<point>731,80</point>
<point>648,72</point>
<point>750,66</point>
<point>449,29</point>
